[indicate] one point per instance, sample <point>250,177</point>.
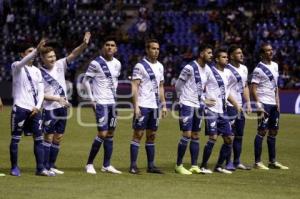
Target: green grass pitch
<point>75,183</point>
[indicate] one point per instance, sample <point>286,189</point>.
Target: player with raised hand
<point>56,101</point>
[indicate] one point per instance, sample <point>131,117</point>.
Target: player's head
<point>205,53</point>
<point>221,57</point>
<point>109,47</point>
<point>48,56</point>
<point>266,52</point>
<point>235,54</point>
<point>24,49</point>
<point>152,49</point>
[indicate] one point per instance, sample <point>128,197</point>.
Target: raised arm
<point>78,50</point>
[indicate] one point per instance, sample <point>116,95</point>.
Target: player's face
<point>268,52</point>
<point>222,59</point>
<point>238,56</point>
<point>153,50</point>
<point>26,52</point>
<point>109,48</point>
<point>49,59</point>
<point>207,55</point>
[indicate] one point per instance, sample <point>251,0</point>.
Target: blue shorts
<point>149,119</point>
<point>237,122</point>
<point>190,118</point>
<point>106,117</point>
<point>216,123</point>
<point>270,121</point>
<point>54,121</point>
<point>21,121</point>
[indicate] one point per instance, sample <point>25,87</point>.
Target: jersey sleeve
<point>137,72</point>
<point>185,73</point>
<point>256,76</point>
<point>93,69</point>
<point>62,63</point>
<point>162,77</point>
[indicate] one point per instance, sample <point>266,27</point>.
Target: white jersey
<point>189,92</point>
<point>22,89</point>
<point>146,92</point>
<point>57,73</point>
<point>213,90</point>
<point>237,89</point>
<point>265,88</point>
<point>102,87</point>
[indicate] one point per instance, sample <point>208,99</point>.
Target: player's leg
<point>108,141</point>
<point>36,128</point>
<point>139,126</point>
<point>262,130</point>
<point>18,118</point>
<point>271,139</point>
<point>185,124</point>
<point>232,116</point>
<point>211,132</point>
<point>59,127</point>
<point>101,112</point>
<point>48,128</point>
<point>152,126</point>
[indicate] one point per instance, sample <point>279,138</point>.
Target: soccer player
<point>148,96</point>
<point>104,72</point>
<point>28,94</point>
<point>190,89</point>
<point>265,94</point>
<point>240,92</point>
<point>1,109</point>
<point>217,122</point>
<point>56,102</point>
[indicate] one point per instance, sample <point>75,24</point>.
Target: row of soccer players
<point>45,87</point>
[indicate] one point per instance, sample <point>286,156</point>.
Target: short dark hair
<point>203,47</point>
<point>262,46</point>
<point>108,38</point>
<point>148,41</point>
<point>46,50</point>
<point>233,48</point>
<point>219,51</point>
<point>23,46</point>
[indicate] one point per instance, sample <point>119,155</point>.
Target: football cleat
<point>15,171</point>
<point>181,170</point>
<point>154,170</point>
<point>277,165</point>
<point>56,171</point>
<point>134,170</point>
<point>260,165</point>
<point>205,170</point>
<point>221,170</point>
<point>242,167</point>
<point>195,169</point>
<point>110,169</point>
<point>45,172</point>
<point>90,169</point>
<point>230,166</point>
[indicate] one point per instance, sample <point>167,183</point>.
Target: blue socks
<point>182,145</point>
<point>237,149</point>
<point>134,150</point>
<point>108,149</point>
<point>194,151</point>
<point>47,147</point>
<point>150,150</point>
<point>258,147</point>
<point>39,153</point>
<point>224,153</point>
<point>207,152</point>
<point>13,148</point>
<point>53,154</point>
<point>94,150</point>
<point>271,140</point>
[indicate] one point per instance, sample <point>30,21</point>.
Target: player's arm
<point>277,99</point>
<point>30,56</point>
<point>40,91</point>
<point>246,96</point>
<point>234,103</point>
<point>162,99</point>
<point>87,85</point>
<point>178,86</point>
<point>61,100</point>
<point>78,50</point>
<point>1,105</point>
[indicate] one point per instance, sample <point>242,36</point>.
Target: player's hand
<point>63,101</point>
<point>249,109</point>
<point>137,112</point>
<point>94,105</point>
<point>87,37</point>
<point>41,44</point>
<point>210,102</point>
<point>239,109</point>
<point>164,112</point>
<point>34,112</point>
<point>278,107</point>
